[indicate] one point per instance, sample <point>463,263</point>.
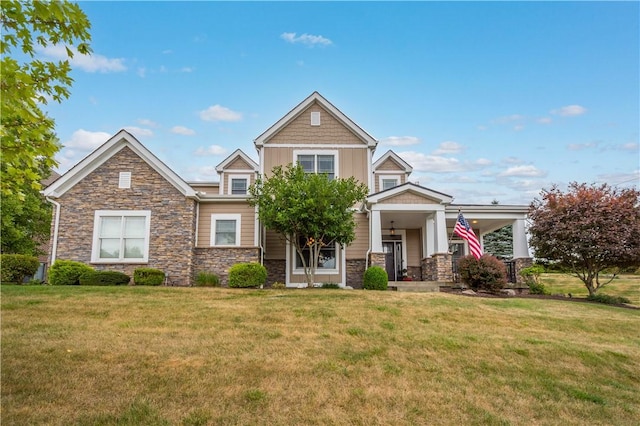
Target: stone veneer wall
<point>377,259</point>
<point>172,216</point>
<point>276,271</point>
<point>437,268</point>
<point>355,272</point>
<point>220,259</point>
<point>520,264</point>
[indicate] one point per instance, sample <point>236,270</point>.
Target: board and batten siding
<point>247,226</point>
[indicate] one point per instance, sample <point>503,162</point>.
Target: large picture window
<point>326,260</point>
<point>225,229</point>
<point>121,236</point>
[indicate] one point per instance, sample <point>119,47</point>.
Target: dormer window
<point>388,181</point>
<point>238,186</point>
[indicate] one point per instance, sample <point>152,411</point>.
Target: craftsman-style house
<point>122,208</point>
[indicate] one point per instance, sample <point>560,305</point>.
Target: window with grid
<point>121,236</point>
<point>389,183</point>
<point>318,163</point>
<point>239,186</point>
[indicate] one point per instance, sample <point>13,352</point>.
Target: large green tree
<point>310,211</point>
<point>587,229</point>
<point>27,136</point>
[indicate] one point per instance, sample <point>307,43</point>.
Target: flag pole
<point>452,232</point>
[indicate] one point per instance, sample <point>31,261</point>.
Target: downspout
<point>56,225</point>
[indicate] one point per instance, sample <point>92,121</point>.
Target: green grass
<point>209,356</point>
<point>624,285</point>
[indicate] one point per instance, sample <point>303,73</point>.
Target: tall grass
<point>195,356</point>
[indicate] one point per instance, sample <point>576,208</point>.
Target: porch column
<point>442,244</point>
<point>520,245</point>
<point>428,236</point>
<point>376,232</point>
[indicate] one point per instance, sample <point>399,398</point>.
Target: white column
<point>376,232</point>
<point>442,243</point>
<point>520,245</point>
<point>429,236</point>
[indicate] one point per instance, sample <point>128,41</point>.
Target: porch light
<point>392,231</point>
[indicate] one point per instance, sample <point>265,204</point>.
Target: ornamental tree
<point>587,230</point>
<point>27,135</point>
<point>310,211</point>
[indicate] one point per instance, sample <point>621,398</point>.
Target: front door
<point>393,259</point>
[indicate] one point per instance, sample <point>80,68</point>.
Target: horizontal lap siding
<point>358,248</point>
<point>247,226</point>
<point>414,247</point>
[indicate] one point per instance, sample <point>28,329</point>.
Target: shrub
<point>531,276</point>
<point>375,278</point>
<point>607,299</point>
<point>207,279</point>
<point>67,272</point>
<point>487,273</point>
<point>15,267</point>
<point>104,278</point>
<point>278,285</point>
<point>330,285</point>
<point>244,275</point>
<point>148,276</point>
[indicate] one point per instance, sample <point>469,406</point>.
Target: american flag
<point>463,229</point>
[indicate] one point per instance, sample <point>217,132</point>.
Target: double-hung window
<point>121,236</point>
<point>321,163</point>
<point>225,229</point>
<point>238,186</point>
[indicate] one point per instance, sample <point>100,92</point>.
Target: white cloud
<point>142,72</point>
<point>513,118</point>
<point>569,111</point>
<point>138,131</point>
<point>431,163</point>
<point>306,39</point>
<point>186,69</point>
<point>523,171</point>
<point>89,63</point>
<point>220,113</point>
<point>147,122</point>
<point>545,120</point>
<point>84,140</point>
<point>581,146</point>
<point>210,150</point>
<point>181,130</point>
<point>400,141</point>
<point>631,147</point>
<point>448,147</point>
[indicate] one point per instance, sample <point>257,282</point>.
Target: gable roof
<point>394,157</point>
<point>301,107</point>
<point>410,187</point>
<point>103,153</point>
<point>238,153</point>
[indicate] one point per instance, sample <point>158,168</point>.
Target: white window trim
<point>382,177</point>
<point>320,271</point>
<point>215,217</point>
<point>95,248</point>
<point>334,152</point>
<point>232,176</point>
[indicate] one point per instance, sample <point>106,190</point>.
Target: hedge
<point>375,278</point>
<point>15,267</point>
<point>148,276</point>
<point>245,275</point>
<point>104,278</point>
<point>67,272</point>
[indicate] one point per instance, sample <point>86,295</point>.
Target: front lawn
<point>195,356</point>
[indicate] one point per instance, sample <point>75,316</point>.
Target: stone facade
<point>355,272</point>
<point>220,259</point>
<point>172,216</point>
<point>377,259</point>
<point>276,270</point>
<point>520,264</point>
<point>437,268</point>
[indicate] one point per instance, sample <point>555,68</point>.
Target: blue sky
<point>487,100</point>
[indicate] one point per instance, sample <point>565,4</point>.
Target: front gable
<point>315,121</point>
<point>122,140</point>
<point>409,193</point>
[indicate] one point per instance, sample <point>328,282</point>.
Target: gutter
<point>56,225</point>
<point>366,257</point>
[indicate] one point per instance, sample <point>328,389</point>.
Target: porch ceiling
<point>416,220</point>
